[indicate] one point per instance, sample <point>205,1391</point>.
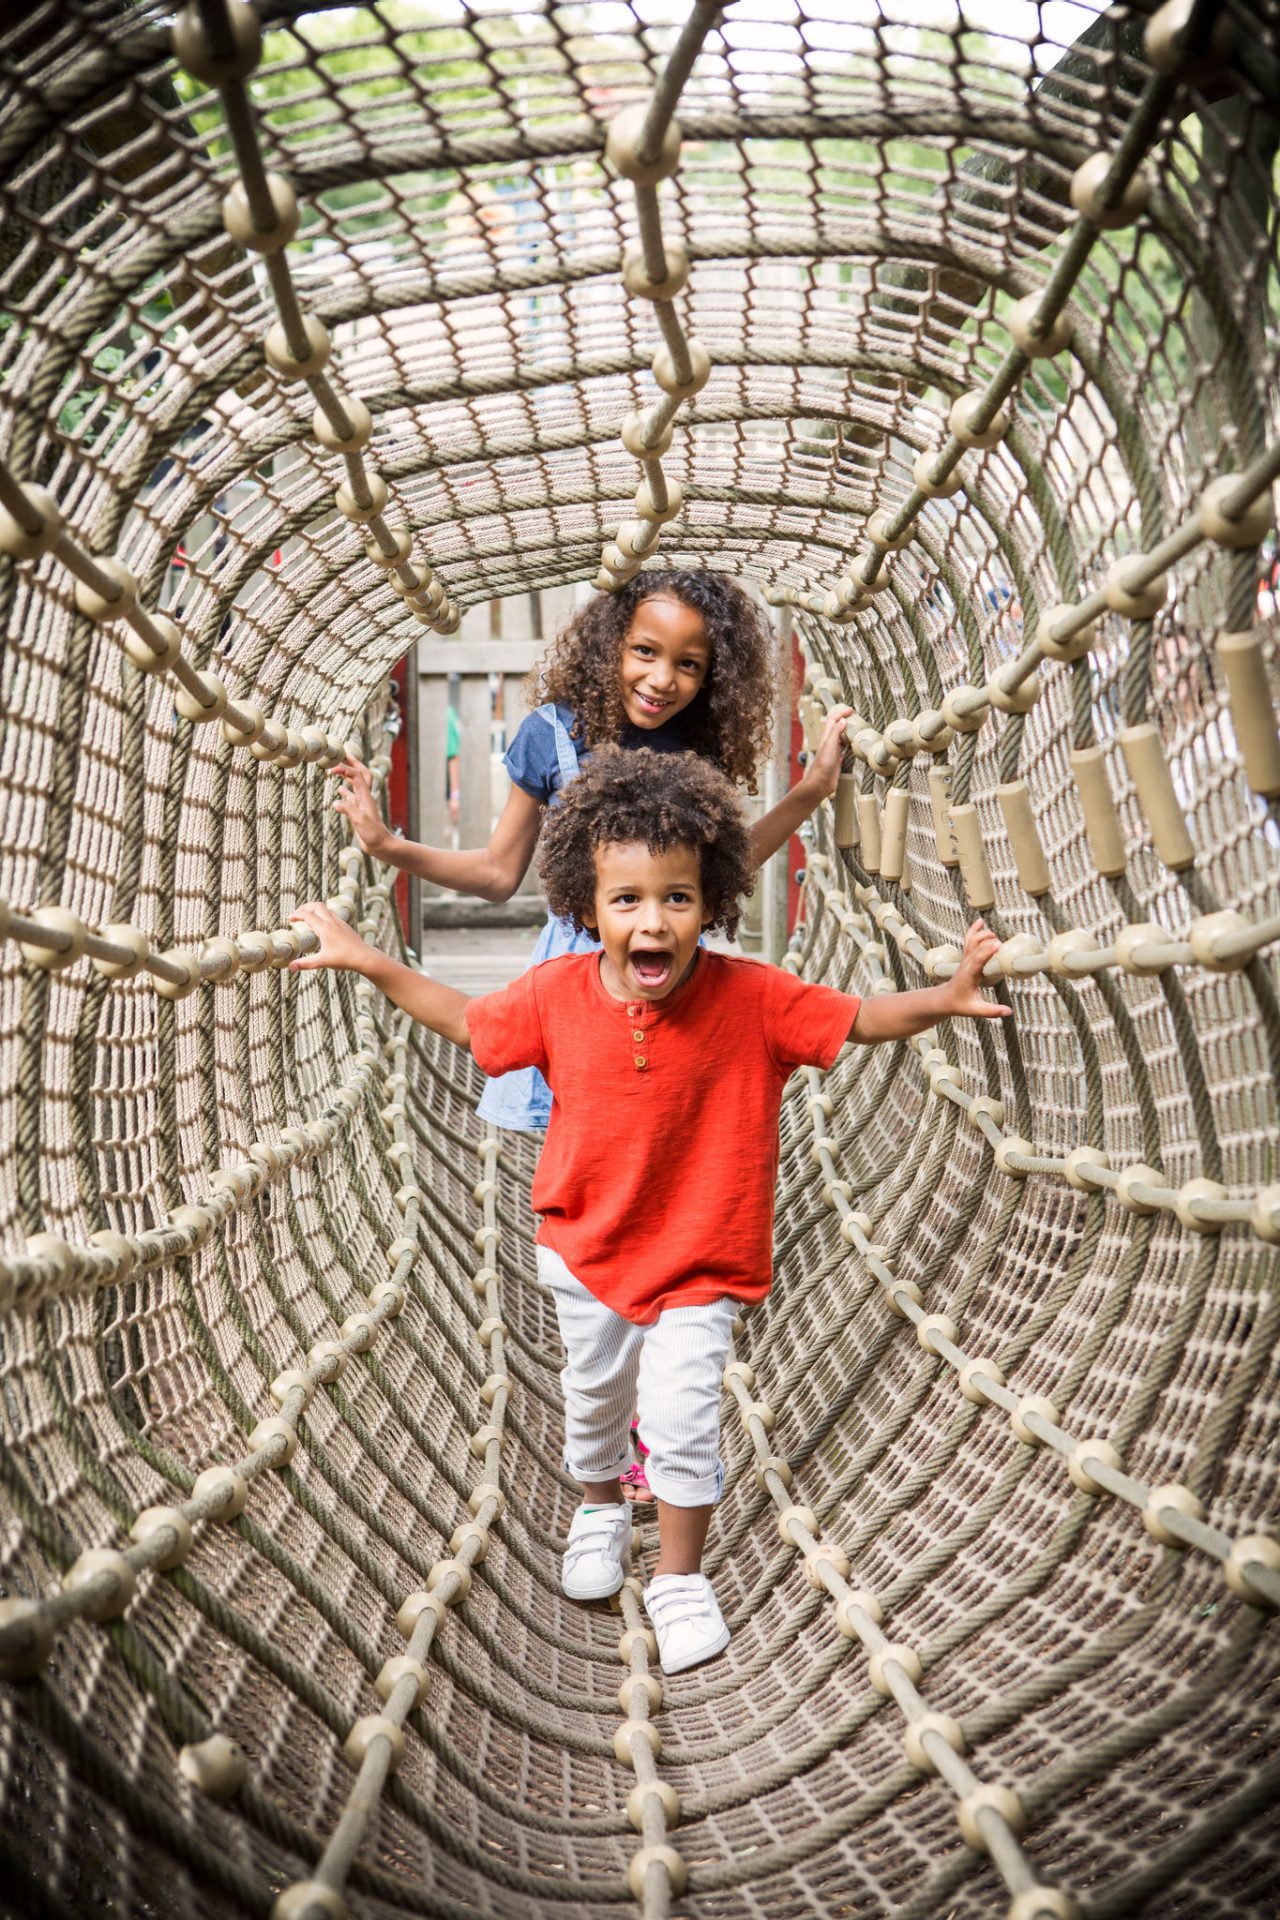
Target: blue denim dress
<point>522,1100</point>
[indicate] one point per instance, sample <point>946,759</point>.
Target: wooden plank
<point>433,812</point>
<point>514,617</point>
<point>477,656</point>
<point>558,607</point>
<point>456,912</point>
<point>476,623</point>
<point>476,814</point>
<point>480,958</point>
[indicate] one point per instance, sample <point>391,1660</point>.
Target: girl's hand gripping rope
<point>355,799</point>
<point>823,772</point>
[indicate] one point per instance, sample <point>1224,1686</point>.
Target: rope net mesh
<point>1078,1598</point>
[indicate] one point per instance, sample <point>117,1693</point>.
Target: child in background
<point>452,748</point>
<point>667,1064</point>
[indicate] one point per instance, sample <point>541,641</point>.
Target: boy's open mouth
<point>652,967</point>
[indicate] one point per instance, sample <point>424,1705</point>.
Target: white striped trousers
<point>671,1370</point>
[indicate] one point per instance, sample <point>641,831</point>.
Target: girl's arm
<point>818,782</point>
<point>897,1016</point>
<point>492,873</point>
<point>430,1002</point>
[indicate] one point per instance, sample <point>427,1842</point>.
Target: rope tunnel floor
<point>953,336</point>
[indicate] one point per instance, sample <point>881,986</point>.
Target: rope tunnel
<point>953,333</point>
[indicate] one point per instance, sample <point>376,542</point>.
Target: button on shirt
<point>656,1184</point>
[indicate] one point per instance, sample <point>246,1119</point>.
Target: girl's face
<point>666,657</point>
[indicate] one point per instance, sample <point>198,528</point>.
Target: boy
<point>667,1064</point>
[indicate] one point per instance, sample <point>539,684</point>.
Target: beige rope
<point>1171,1514</point>
<point>657,1873</point>
<point>261,215</point>
<point>101,1582</point>
<point>107,592</point>
<point>1200,1205</point>
<point>1107,191</point>
<point>991,1818</point>
<point>643,145</point>
<point>1137,587</point>
<point>860,201</point>
<point>375,1745</point>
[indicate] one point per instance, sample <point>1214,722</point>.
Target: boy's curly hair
<point>661,800</point>
<point>728,720</point>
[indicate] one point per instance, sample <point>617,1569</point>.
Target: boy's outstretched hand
<point>897,1016</point>
<point>964,989</point>
<point>355,799</point>
<point>340,945</point>
<point>441,1008</point>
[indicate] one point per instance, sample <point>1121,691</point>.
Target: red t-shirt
<point>656,1184</point>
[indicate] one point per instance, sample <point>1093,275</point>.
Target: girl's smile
<point>665,661</point>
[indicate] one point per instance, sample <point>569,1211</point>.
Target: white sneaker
<point>686,1619</point>
<point>597,1556</point>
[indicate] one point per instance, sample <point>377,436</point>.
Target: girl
<point>676,661</point>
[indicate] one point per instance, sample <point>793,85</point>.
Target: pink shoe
<point>634,1480</point>
<point>635,1486</point>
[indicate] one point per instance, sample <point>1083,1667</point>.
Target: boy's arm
<point>897,1016</point>
<point>430,1002</point>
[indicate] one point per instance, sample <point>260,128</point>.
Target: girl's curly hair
<point>660,800</point>
<point>728,720</point>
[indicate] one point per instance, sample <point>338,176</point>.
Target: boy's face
<point>665,659</point>
<point>649,916</point>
